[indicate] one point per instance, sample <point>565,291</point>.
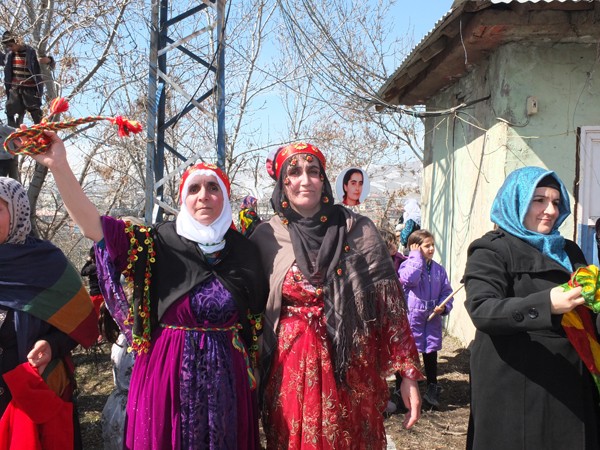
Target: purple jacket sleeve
<point>111,259</point>
<point>410,270</point>
<point>446,290</point>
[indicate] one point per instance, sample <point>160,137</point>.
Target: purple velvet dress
<point>191,388</point>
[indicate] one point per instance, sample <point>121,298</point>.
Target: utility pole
<point>160,85</point>
<point>221,86</point>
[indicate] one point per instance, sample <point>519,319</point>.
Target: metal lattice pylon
<point>159,83</point>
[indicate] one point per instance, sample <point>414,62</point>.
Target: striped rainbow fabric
<point>37,278</point>
<point>578,324</point>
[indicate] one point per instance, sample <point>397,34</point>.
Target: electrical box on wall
<point>532,106</point>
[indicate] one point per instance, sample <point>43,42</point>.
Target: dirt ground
<point>443,428</point>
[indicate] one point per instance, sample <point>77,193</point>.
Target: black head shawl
<point>317,241</point>
<point>361,291</point>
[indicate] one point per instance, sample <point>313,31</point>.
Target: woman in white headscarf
<point>194,316</point>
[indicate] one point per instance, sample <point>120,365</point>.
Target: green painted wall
<point>468,154</point>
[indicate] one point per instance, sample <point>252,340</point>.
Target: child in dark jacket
<point>426,285</point>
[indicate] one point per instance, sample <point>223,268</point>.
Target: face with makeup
<point>303,185</point>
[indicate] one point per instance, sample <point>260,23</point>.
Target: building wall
<point>469,153</point>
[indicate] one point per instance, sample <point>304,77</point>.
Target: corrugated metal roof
<point>537,1</point>
<point>432,64</point>
<point>435,26</point>
<point>417,47</point>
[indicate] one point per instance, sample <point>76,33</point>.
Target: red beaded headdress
<point>293,149</point>
<point>204,166</point>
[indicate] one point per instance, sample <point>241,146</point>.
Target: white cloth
<point>210,238</point>
<point>412,211</point>
<point>113,414</point>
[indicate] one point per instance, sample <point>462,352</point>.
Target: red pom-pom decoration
<point>126,126</point>
<point>59,105</point>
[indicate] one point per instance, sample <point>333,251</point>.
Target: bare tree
<point>84,37</point>
<point>344,52</point>
<point>340,52</point>
<point>322,61</point>
<point>81,36</point>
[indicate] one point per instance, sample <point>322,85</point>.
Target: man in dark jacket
<point>24,87</point>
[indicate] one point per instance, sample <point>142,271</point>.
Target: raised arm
<point>78,205</point>
<point>412,268</point>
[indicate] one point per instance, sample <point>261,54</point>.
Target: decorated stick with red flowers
<point>34,142</point>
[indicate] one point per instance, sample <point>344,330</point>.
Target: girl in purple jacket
<point>426,285</point>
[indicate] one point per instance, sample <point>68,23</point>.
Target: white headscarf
<point>13,193</point>
<point>210,238</point>
<point>412,211</point>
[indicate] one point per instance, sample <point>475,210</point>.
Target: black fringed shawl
<point>362,287</point>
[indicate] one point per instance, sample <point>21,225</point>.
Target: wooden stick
<point>446,300</point>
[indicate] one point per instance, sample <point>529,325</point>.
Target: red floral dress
<point>303,407</point>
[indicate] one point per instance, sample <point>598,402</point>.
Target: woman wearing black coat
<point>529,386</point>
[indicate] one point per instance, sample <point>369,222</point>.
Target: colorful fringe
<point>138,274</point>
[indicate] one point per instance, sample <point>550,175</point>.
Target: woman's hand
<point>80,208</point>
<point>415,247</point>
<point>40,355</point>
<point>56,155</point>
<point>562,301</point>
<point>409,390</point>
<point>439,309</point>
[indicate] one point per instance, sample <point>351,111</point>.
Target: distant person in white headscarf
<point>412,211</point>
<point>410,220</point>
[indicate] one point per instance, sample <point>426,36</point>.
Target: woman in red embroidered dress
<point>336,323</point>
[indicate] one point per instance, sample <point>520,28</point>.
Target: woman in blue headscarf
<point>529,385</point>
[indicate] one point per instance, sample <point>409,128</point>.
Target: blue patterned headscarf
<point>510,208</point>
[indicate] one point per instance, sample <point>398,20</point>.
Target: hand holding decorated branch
<point>212,290</point>
<point>33,140</point>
